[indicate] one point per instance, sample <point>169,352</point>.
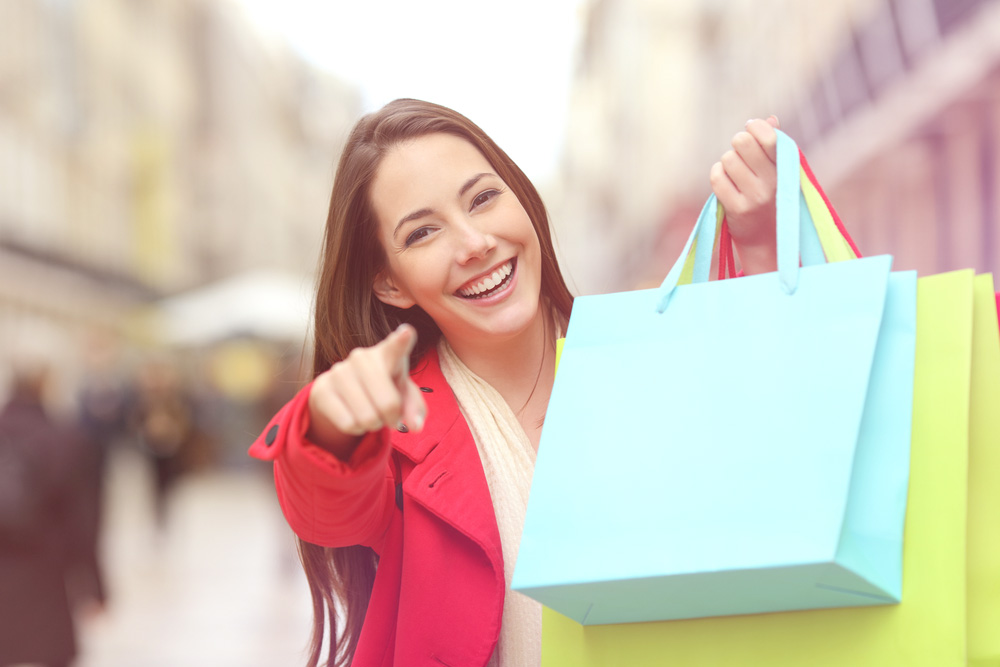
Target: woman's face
<point>458,242</point>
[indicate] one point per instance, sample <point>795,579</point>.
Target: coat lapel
<point>448,477</point>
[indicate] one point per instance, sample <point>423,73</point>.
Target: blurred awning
<point>261,304</point>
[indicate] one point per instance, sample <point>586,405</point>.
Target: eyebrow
<point>426,211</point>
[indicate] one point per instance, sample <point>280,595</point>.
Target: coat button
<point>272,434</point>
<point>427,390</point>
<point>402,428</point>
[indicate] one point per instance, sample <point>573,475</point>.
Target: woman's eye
<point>416,235</point>
<point>484,197</point>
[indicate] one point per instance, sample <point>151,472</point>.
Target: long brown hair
<point>349,315</point>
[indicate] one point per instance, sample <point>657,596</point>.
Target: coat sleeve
<point>328,501</point>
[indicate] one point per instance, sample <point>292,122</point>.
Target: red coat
<point>438,596</point>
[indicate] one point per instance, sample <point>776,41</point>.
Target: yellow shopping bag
<point>984,482</point>
<point>950,603</point>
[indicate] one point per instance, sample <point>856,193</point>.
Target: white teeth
<point>489,282</point>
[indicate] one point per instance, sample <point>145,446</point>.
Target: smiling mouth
<point>491,284</point>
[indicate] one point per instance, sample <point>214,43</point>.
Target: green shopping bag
<point>983,558</point>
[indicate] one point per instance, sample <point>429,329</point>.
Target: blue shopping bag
<point>729,447</point>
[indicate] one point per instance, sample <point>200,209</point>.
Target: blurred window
<point>952,12</point>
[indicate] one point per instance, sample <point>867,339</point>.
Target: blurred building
<point>895,102</point>
<point>146,147</point>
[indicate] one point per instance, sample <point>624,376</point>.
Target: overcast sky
<point>506,65</point>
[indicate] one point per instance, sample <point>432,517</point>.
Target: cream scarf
<point>509,462</point>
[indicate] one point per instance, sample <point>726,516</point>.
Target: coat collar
<point>448,477</point>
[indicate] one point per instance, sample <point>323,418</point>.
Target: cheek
<point>525,230</point>
<point>533,242</point>
<point>423,273</point>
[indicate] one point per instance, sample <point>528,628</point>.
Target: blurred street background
<point>165,167</point>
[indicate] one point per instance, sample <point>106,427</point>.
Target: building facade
<point>892,101</point>
<point>147,148</point>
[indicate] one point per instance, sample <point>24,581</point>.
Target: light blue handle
<point>705,245</point>
<point>669,285</point>
<point>788,212</point>
<point>796,235</point>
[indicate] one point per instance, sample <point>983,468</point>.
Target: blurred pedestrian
<point>103,417</point>
<point>40,546</point>
<point>163,416</point>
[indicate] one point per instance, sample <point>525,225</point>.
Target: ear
<point>388,292</point>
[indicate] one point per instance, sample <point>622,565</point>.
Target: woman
<point>438,257</point>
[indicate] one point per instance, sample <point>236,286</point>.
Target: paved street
<point>220,586</point>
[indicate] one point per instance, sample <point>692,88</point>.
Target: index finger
<point>397,348</point>
<point>763,132</point>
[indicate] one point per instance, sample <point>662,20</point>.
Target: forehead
<point>417,172</point>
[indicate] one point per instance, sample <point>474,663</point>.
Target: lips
<point>489,284</point>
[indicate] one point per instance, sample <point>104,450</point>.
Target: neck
<point>521,368</point>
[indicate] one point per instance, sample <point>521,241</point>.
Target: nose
<point>474,243</point>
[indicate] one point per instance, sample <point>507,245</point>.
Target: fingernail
<point>748,122</point>
<point>418,422</point>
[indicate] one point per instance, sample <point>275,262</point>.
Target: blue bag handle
<point>796,235</point>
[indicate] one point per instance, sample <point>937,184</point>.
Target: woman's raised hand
<point>369,389</point>
<point>745,181</point>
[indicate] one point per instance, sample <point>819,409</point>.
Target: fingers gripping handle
<point>793,225</point>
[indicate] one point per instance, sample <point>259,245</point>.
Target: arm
<point>745,181</point>
<point>327,500</point>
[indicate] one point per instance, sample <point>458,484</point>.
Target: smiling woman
<point>408,488</point>
<point>425,211</point>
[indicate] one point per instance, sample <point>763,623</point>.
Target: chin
<point>519,321</point>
